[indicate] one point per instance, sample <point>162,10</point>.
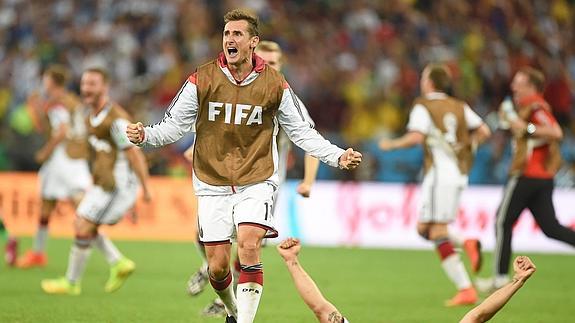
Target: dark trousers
<point>536,195</point>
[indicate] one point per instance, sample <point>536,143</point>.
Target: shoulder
<point>206,67</point>
<point>118,112</point>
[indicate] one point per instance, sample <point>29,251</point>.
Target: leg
<point>541,206</point>
<point>220,275</point>
<point>514,201</point>
<point>250,284</point>
<point>199,279</point>
<point>79,254</point>
<point>37,257</point>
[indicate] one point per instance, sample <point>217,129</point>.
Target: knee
<point>218,270</point>
<point>85,229</point>
<point>423,231</point>
<point>249,246</point>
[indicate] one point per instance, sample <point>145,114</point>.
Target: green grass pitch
<point>367,285</point>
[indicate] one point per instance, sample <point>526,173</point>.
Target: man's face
<point>237,42</point>
<point>48,83</point>
<point>521,86</point>
<point>273,59</point>
<point>92,87</point>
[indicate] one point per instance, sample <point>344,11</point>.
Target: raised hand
<point>135,132</point>
<point>524,268</point>
<point>350,159</point>
<point>289,249</point>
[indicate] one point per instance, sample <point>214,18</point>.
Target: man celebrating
<point>272,54</point>
<point>536,159</point>
<point>117,167</point>
<point>64,174</point>
<point>237,104</point>
<point>443,124</point>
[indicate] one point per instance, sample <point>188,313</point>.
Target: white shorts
<point>220,215</point>
<point>62,177</point>
<point>439,202</point>
<point>102,207</point>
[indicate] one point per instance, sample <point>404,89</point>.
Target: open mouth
<point>232,51</point>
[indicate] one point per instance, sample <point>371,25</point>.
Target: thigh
<point>514,201</point>
<point>123,200</point>
<point>215,219</point>
<point>541,205</point>
<point>95,203</point>
<point>254,206</point>
<point>439,200</point>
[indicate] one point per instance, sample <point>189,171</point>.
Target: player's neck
<point>241,70</point>
<point>100,104</point>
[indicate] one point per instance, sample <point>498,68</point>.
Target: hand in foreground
<point>304,189</point>
<point>350,159</point>
<point>289,249</point>
<point>135,132</point>
<point>524,268</point>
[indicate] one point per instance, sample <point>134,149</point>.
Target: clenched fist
<point>350,159</point>
<point>135,132</point>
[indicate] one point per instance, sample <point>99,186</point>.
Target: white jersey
<point>182,112</point>
<point>284,144</point>
<point>444,160</point>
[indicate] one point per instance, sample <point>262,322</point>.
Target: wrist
<point>530,129</point>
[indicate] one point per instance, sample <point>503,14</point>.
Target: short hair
<point>99,70</point>
<point>535,77</point>
<point>252,20</point>
<point>269,46</point>
<point>58,74</point>
<point>440,77</point>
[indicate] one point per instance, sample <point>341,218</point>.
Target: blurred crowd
<point>355,64</point>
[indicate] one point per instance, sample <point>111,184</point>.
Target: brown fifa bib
<point>234,126</point>
<point>104,151</point>
<point>77,140</point>
<point>448,115</point>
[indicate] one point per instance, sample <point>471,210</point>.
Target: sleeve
<point>304,112</point>
<point>543,117</point>
<point>118,134</point>
<point>292,119</point>
<point>57,116</point>
<point>419,120</point>
<point>178,119</point>
<point>473,120</point>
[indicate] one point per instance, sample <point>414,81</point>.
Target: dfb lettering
<point>253,114</point>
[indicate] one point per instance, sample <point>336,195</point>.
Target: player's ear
<point>254,42</point>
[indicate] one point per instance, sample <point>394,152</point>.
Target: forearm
<point>480,135</point>
<point>490,306</point>
<point>305,286</point>
<point>410,139</point>
<point>548,132</point>
<point>139,164</point>
<point>311,165</point>
<point>178,120</point>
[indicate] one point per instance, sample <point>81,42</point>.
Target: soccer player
<point>524,268</point>
<point>237,104</point>
<point>64,174</point>
<point>448,129</point>
<point>117,167</point>
<point>536,159</point>
<point>272,54</point>
<point>328,313</point>
<point>325,311</point>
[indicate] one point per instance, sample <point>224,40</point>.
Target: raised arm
<point>524,268</point>
<point>306,287</point>
<point>177,121</point>
<point>302,133</point>
<point>134,154</point>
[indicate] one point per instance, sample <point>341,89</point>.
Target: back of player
<point>64,174</point>
<point>443,124</point>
